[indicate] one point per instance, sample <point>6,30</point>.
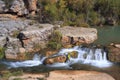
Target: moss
<point>15,34</point>
<point>6,75</point>
<point>17,79</point>
<point>2,52</point>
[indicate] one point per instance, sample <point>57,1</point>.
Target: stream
<point>91,59</point>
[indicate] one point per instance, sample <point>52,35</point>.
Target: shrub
<point>55,40</point>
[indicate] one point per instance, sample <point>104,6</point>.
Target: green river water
<point>108,34</point>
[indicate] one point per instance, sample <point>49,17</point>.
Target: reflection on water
<point>107,35</point>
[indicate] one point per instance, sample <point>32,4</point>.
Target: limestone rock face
<point>36,33</point>
<point>18,7</point>
<point>73,35</point>
<point>2,6</point>
<point>78,75</point>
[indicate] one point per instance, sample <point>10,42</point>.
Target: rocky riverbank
<point>65,75</point>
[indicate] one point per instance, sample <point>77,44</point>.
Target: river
<point>107,35</point>
<point>91,59</point>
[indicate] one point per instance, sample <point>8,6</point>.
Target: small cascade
<point>95,57</point>
<point>28,63</point>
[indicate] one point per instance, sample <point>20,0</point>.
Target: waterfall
<point>95,57</point>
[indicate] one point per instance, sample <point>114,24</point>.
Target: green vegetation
<point>7,74</point>
<point>80,12</point>
<point>55,40</point>
<point>2,50</point>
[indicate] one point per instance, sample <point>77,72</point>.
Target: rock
<point>18,7</point>
<point>7,16</point>
<point>32,6</point>
<point>2,6</point>
<point>114,54</point>
<point>78,34</point>
<point>117,45</point>
<point>78,75</point>
<point>64,75</point>
<point>11,54</point>
<point>55,59</point>
<point>73,54</point>
<point>22,50</point>
<point>36,33</point>
<point>50,52</point>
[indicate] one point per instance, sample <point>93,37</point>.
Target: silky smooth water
<point>88,59</point>
<point>108,34</point>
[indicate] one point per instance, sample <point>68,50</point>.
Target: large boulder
<point>73,35</point>
<point>2,6</point>
<point>114,53</point>
<point>18,7</point>
<point>37,37</point>
<point>78,75</point>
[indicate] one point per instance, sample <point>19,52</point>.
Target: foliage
<point>79,12</point>
<point>2,50</point>
<point>55,40</point>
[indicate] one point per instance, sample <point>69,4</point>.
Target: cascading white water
<point>28,63</point>
<point>94,57</point>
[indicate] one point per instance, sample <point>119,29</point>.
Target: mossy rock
<point>73,54</point>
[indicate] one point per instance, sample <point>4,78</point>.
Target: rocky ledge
<point>35,36</point>
<point>78,34</point>
<point>66,75</point>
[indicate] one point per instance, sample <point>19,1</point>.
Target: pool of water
<point>108,34</point>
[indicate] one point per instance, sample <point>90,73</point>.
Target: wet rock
<point>55,59</point>
<point>82,35</point>
<point>50,53</point>
<point>78,75</point>
<point>114,54</point>
<point>18,7</point>
<point>2,6</point>
<point>73,54</point>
